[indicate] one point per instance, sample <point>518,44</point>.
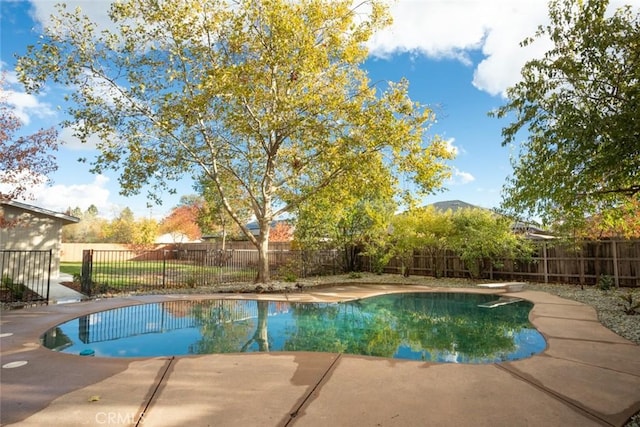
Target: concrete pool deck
<point>588,375</point>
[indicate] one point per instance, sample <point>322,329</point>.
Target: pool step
<point>500,301</point>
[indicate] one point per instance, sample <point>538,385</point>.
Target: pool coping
<point>587,375</point>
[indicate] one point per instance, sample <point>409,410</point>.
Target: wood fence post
<point>545,260</point>
<point>616,275</point>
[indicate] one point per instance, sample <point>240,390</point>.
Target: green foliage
<point>6,281</point>
<point>605,282</point>
<point>352,221</point>
<point>579,104</point>
<point>146,231</point>
<point>482,239</point>
<point>377,326</point>
<point>421,229</point>
<point>88,230</point>
<point>125,228</point>
<point>630,305</point>
<point>213,217</point>
<point>17,289</point>
<point>289,271</point>
<point>122,229</point>
<point>263,96</point>
<point>192,280</point>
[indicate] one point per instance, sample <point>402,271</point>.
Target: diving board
<point>499,302</point>
<point>507,286</point>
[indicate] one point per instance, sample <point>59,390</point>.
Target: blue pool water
<point>438,327</point>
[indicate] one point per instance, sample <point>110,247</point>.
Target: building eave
<point>35,209</point>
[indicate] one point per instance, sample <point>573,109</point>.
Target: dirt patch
<point>72,285</point>
<point>28,296</point>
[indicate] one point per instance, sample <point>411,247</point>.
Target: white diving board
<point>507,286</point>
<point>499,302</point>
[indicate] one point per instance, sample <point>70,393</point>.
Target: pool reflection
<point>440,327</point>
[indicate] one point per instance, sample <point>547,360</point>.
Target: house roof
<point>530,229</point>
<point>254,227</point>
<point>454,205</point>
<point>63,217</point>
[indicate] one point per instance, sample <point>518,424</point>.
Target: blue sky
<point>458,55</point>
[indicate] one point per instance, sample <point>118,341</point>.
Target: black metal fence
<point>146,270</point>
<point>166,316</point>
<point>25,276</point>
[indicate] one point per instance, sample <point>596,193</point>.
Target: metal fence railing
<point>25,276</point>
<point>147,270</point>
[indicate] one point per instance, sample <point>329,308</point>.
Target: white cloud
<point>452,148</point>
<point>460,178</point>
<point>26,107</point>
<point>453,28</point>
<point>504,57</point>
<point>439,29</point>
<point>435,28</point>
<point>73,143</point>
<point>59,197</point>
<point>96,10</point>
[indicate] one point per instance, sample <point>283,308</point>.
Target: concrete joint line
<point>316,386</point>
<point>591,365</point>
<point>154,392</point>
<point>579,408</point>
<point>555,337</point>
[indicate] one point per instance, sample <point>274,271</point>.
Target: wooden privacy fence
<point>584,263</point>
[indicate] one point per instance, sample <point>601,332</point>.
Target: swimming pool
<point>438,327</point>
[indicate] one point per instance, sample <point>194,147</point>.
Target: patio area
<point>588,375</point>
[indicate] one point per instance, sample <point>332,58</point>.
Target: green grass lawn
<point>155,274</point>
<point>71,267</point>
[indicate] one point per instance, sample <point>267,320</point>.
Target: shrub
<point>629,306</point>
<point>605,282</point>
<point>289,271</point>
<point>17,289</point>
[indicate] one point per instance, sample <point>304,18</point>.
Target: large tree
<point>182,221</point>
<point>263,95</point>
<point>88,230</point>
<point>25,160</point>
<point>579,106</point>
<point>354,223</point>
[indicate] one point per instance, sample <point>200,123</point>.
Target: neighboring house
<point>530,230</point>
<point>282,228</point>
<point>30,228</point>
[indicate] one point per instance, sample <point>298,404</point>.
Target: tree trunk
<point>261,336</point>
<point>263,252</point>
